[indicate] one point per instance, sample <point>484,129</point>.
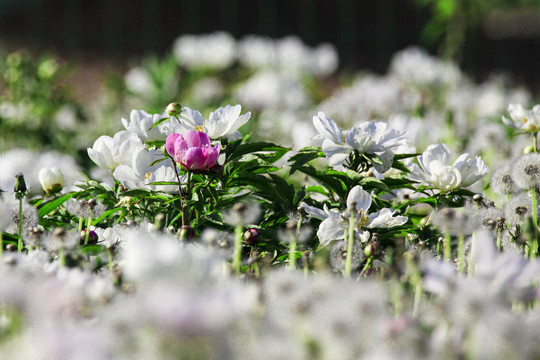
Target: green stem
<point>87,233</point>
<point>349,235</point>
<point>20,242</point>
<point>179,191</point>
<point>237,259</point>
<point>293,245</point>
<point>447,247</point>
<point>533,248</point>
<point>534,135</point>
<point>461,253</point>
<point>292,253</point>
<point>470,265</point>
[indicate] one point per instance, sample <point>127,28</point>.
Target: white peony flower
<point>109,152</point>
<point>139,174</point>
<point>367,137</point>
<point>437,170</point>
<point>523,119</point>
<point>334,224</point>
<point>224,122</point>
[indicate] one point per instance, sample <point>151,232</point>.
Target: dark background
<point>366,32</point>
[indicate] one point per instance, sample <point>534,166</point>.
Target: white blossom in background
<point>207,90</point>
<point>523,119</point>
<point>257,52</point>
<point>415,66</point>
<point>31,162</point>
<point>138,81</point>
<point>436,169</point>
<point>215,51</point>
<point>271,89</point>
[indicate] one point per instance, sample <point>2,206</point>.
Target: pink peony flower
<point>194,151</point>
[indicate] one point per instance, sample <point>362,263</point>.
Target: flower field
<point>245,199</point>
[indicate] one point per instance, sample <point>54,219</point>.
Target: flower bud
<point>92,237</point>
<point>20,186</point>
<point>51,180</point>
<point>186,233</point>
<point>252,236</point>
<point>173,109</point>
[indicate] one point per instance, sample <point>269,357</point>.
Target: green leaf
<point>163,183</point>
<point>374,183</point>
<point>92,249</point>
<point>248,148</point>
<point>158,161</point>
<point>135,192</point>
<point>49,206</point>
<point>106,214</point>
<point>304,156</point>
<point>158,122</point>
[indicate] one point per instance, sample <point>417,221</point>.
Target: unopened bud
<point>173,109</point>
<point>252,236</point>
<point>51,180</point>
<point>186,232</point>
<point>20,186</point>
<point>92,237</point>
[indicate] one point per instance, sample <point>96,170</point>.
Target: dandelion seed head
<point>526,171</point>
<point>518,208</point>
<point>338,255</point>
<point>502,182</point>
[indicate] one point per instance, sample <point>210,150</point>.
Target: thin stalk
<point>294,244</point>
<point>470,265</point>
<point>179,191</point>
<point>1,243</point>
<point>461,253</point>
<point>533,248</point>
<point>534,135</point>
<point>292,253</point>
<point>349,235</point>
<point>20,242</point>
<point>447,247</point>
<point>87,233</point>
<point>237,259</point>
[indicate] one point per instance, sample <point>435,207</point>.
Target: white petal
<point>358,199</point>
<point>330,229</point>
<point>327,128</point>
<point>384,218</point>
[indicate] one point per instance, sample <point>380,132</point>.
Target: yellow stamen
<point>147,175</point>
<point>199,128</point>
<point>363,219</point>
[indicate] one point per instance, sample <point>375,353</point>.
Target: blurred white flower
<point>523,119</point>
<point>216,51</point>
<point>139,81</point>
<point>24,161</point>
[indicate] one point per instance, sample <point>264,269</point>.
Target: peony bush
<point>270,230</point>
